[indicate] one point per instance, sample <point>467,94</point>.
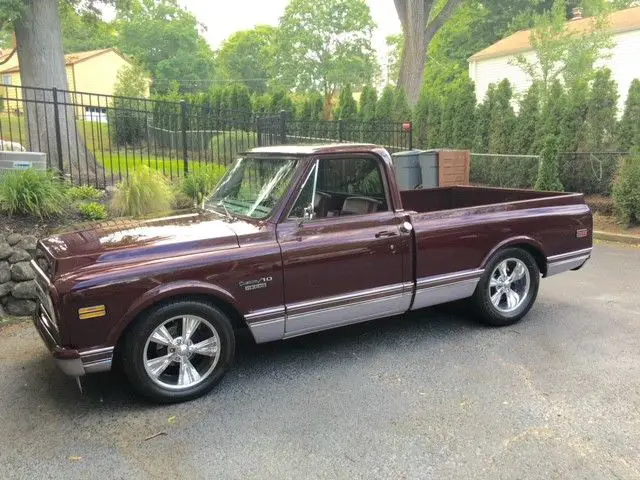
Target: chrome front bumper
<point>72,362</point>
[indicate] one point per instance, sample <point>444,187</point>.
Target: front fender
<point>163,292</point>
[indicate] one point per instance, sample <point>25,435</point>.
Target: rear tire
<point>508,288</point>
<point>178,351</point>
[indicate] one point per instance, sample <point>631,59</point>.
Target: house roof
<point>69,59</point>
<point>620,21</point>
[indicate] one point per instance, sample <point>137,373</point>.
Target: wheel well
<point>237,320</point>
<point>537,255</point>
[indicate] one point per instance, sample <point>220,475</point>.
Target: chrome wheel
<point>181,352</point>
<point>509,285</point>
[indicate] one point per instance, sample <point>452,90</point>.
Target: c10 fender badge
<point>248,285</point>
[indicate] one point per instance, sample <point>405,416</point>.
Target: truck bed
<point>448,198</point>
<point>457,229</point>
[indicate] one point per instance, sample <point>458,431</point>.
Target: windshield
<point>252,186</point>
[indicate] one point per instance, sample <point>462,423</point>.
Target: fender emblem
<point>249,285</point>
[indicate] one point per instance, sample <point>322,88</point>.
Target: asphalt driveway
<point>430,395</point>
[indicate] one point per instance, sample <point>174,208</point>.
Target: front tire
<point>178,351</point>
<point>508,287</point>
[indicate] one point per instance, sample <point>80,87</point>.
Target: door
<point>342,248</point>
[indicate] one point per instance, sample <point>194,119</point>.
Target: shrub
<point>85,193</point>
<point>93,211</point>
<point>146,191</point>
<point>548,174</point>
<point>626,190</point>
<point>199,183</point>
<point>32,192</point>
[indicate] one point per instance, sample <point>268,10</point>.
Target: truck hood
<point>134,240</point>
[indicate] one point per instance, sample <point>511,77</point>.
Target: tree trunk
<point>39,42</point>
<point>417,33</point>
<point>414,49</point>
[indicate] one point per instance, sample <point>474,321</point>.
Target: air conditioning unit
<point>22,161</point>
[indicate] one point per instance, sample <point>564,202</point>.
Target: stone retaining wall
<point>17,288</point>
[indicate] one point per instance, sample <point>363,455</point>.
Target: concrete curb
<point>616,237</point>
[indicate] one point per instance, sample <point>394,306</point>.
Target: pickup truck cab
<point>293,240</point>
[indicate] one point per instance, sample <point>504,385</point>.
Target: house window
<point>7,79</point>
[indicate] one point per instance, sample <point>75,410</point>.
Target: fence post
<point>340,130</point>
<point>258,132</point>
<point>283,127</point>
<point>410,135</point>
<point>185,154</point>
<point>56,117</point>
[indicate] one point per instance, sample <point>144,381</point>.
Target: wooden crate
<point>454,167</point>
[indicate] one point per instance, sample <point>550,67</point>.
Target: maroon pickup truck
<point>293,240</point>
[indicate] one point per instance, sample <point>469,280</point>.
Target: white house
<point>495,63</point>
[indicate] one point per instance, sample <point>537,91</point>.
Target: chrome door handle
<point>386,233</point>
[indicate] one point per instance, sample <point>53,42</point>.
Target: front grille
<point>42,290</point>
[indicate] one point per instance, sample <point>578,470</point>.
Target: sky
<point>223,17</point>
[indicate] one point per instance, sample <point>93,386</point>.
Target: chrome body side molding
<point>445,288</point>
<point>360,307</point>
<point>330,312</point>
<point>567,261</point>
<point>267,330</point>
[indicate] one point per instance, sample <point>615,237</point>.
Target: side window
<point>344,186</point>
<point>346,179</point>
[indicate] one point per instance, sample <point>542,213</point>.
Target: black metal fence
<point>279,129</point>
<point>100,139</point>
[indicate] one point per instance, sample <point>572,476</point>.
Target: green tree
<point>281,101</point>
<point>504,171</point>
<point>368,101</point>
<point>84,30</point>
<point>481,167</point>
<point>553,114</point>
<point>325,45</point>
<point>384,108</point>
<point>573,126</point>
<point>601,113</point>
<point>128,117</point>
<point>549,172</point>
<point>626,190</point>
<point>483,122</point>
<point>347,106</point>
<point>526,130</point>
<point>401,109</point>
<point>247,56</point>
<point>463,97</point>
<point>448,120</point>
<point>563,53</point>
<point>260,104</point>
<point>420,119</point>
<point>629,129</point>
<point>525,139</point>
<point>166,39</point>
<point>502,119</point>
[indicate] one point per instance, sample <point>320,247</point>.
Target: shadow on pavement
<point>111,390</point>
